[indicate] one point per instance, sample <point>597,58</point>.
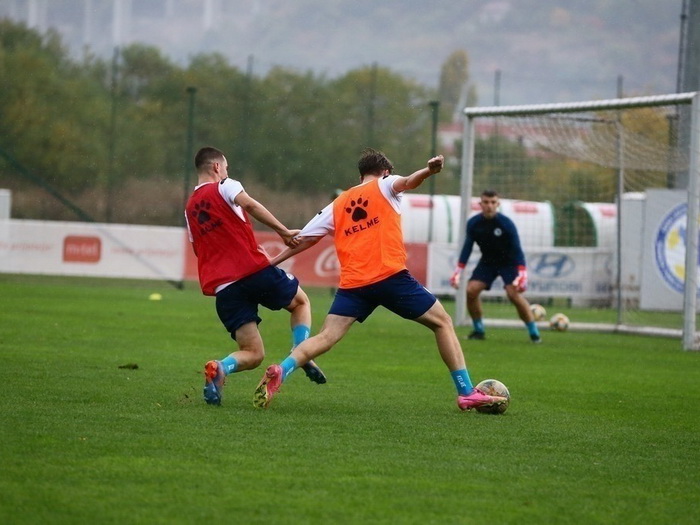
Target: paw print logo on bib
<point>357,209</point>
<point>200,212</point>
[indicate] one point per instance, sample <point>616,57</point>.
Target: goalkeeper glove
<point>520,282</point>
<point>454,280</point>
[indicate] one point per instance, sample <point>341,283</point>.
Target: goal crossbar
<point>574,107</point>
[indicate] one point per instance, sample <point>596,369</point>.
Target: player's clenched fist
<point>436,163</point>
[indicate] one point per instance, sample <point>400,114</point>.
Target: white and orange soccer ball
<point>538,312</point>
<point>493,387</point>
<point>559,322</point>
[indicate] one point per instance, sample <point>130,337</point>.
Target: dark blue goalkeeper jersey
<point>497,238</point>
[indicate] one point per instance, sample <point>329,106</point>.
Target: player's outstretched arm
<point>263,215</point>
<point>416,179</point>
<point>318,227</point>
<point>304,243</point>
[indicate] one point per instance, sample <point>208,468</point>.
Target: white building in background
<point>436,219</point>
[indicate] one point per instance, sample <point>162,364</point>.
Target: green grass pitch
<point>602,428</point>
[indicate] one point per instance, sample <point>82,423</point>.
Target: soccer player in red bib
<point>365,222</point>
<point>234,268</point>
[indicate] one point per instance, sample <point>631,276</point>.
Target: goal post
<point>621,176</point>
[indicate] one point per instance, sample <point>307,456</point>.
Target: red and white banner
<point>148,252</point>
<point>91,249</point>
<point>156,252</point>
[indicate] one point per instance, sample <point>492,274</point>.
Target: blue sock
<point>300,333</point>
<point>532,328</point>
<point>462,381</point>
<point>288,366</point>
<point>478,325</point>
<point>230,365</point>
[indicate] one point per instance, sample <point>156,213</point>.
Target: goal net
<point>619,182</point>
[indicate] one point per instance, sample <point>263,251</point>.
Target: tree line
<point>91,125</point>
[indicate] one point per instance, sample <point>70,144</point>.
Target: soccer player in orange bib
<point>366,225</point>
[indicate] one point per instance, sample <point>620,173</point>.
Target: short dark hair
<point>374,162</point>
<point>489,193</point>
<point>207,155</point>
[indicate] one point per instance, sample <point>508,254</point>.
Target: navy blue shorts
<point>400,293</point>
<point>237,304</point>
<point>487,273</point>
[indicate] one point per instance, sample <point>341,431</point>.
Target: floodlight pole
<point>112,136</point>
<point>435,106</point>
<point>191,92</point>
<point>371,104</point>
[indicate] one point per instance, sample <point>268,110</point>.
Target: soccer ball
<point>493,387</point>
<point>538,312</point>
<point>559,322</point>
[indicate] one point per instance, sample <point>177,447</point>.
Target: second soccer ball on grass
<point>559,322</point>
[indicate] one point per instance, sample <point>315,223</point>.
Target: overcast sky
<point>545,50</point>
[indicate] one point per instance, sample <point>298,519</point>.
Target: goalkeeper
<point>501,254</point>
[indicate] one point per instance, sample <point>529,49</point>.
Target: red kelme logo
<point>81,249</point>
